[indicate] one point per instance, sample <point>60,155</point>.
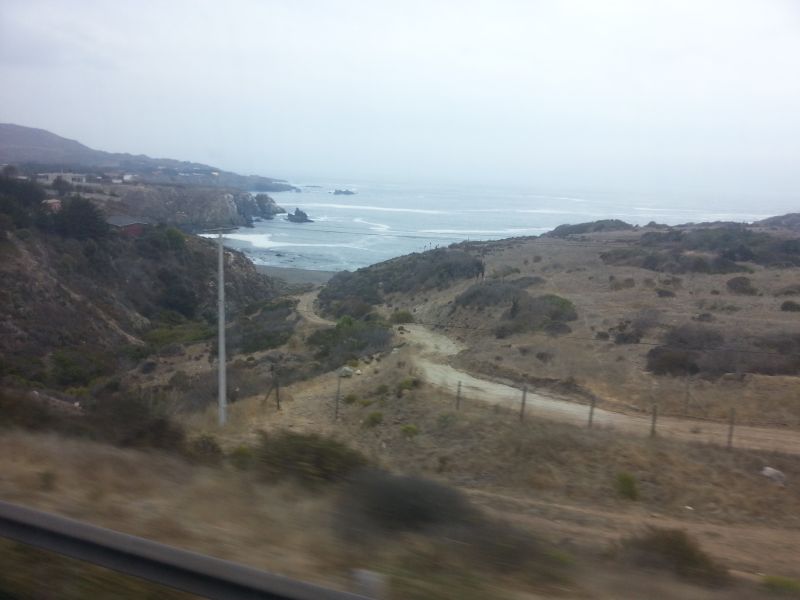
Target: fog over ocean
<point>382,221</point>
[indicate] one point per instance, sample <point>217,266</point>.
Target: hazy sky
<point>643,95</point>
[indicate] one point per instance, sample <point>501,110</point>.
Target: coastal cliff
<point>191,208</point>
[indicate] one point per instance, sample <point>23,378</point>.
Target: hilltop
<point>40,150</point>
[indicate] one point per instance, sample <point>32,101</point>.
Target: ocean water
<point>383,220</point>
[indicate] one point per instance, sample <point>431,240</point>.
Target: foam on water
<point>413,219</point>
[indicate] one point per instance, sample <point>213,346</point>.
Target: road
<point>434,353</point>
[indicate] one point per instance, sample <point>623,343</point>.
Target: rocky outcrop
<point>259,207</point>
<point>192,208</point>
<point>298,216</point>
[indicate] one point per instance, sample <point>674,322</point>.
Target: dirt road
<point>435,349</point>
<point>434,352</point>
<point>306,308</point>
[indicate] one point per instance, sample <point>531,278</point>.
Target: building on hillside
<point>49,178</point>
<point>52,205</point>
<point>128,226</point>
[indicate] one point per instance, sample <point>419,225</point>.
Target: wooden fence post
<point>653,422</point>
<point>730,428</point>
<point>591,411</point>
<point>524,400</point>
<point>277,392</point>
<point>458,397</point>
<point>338,391</point>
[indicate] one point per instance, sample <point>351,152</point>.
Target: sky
<point>659,96</point>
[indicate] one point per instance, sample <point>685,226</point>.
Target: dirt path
<point>434,351</point>
<point>306,308</point>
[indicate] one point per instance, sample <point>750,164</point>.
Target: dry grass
<point>615,372</point>
<point>486,447</point>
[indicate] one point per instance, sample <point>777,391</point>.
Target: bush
<point>741,285</point>
<point>243,457</point>
<point>626,486</point>
<point>671,361</point>
<point>409,431</point>
<point>662,293</point>
<point>350,399</point>
<point>373,419</point>
<point>405,503</point>
<point>790,306</point>
<point>401,316</point>
<point>349,340</point>
<point>134,422</point>
<point>782,585</point>
<point>409,383</point>
<point>674,550</point>
<point>80,219</point>
<point>205,449</point>
<point>186,333</point>
<point>310,458</point>
<point>78,366</point>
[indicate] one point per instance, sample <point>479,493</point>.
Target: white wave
<point>374,226</point>
<point>422,211</point>
<point>486,231</point>
<point>264,240</point>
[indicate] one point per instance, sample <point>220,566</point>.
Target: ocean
<point>382,220</point>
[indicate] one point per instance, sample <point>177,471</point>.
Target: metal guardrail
<point>187,571</point>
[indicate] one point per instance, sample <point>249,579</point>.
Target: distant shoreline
<point>293,275</point>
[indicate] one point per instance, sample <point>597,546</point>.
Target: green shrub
<point>135,422</point>
<point>401,316</point>
<point>674,550</point>
<point>741,285</point>
<point>373,419</point>
<point>350,399</point>
<point>382,390</point>
<point>409,383</point>
<point>790,306</point>
<point>400,502</point>
<point>205,449</point>
<point>409,431</point>
<point>785,586</point>
<point>310,458</point>
<point>78,366</point>
<point>445,420</point>
<point>349,340</point>
<point>243,457</point>
<point>192,331</point>
<point>626,486</point>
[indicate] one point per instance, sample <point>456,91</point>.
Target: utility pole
<point>221,334</point>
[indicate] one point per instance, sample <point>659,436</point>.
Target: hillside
<point>80,301</point>
<point>40,150</point>
<point>698,319</point>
